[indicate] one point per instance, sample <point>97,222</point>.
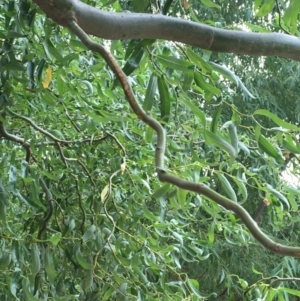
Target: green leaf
<point>232,77</point>
<point>269,149</point>
<point>209,3</point>
<point>290,291</point>
<point>49,265</point>
<point>55,175</point>
<point>39,69</point>
<point>242,189</point>
<point>211,233</point>
<point>233,135</point>
<point>178,237</point>
<point>89,233</point>
<point>278,195</point>
<point>198,60</point>
<point>133,63</point>
<point>3,195</point>
<point>35,260</point>
<point>188,80</point>
<point>55,238</point>
<point>194,286</point>
<point>148,214</point>
<point>181,196</point>
<point>81,260</point>
<point>277,120</point>
<point>150,93</point>
<point>227,187</point>
<point>265,8</point>
<point>51,51</point>
<point>215,120</point>
<point>196,110</point>
<point>203,84</point>
<point>165,101</point>
<point>13,34</point>
<point>213,139</point>
<point>27,293</point>
<point>174,63</point>
<point>108,293</point>
<point>162,191</point>
<point>289,144</point>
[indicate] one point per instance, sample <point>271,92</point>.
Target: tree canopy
<point>149,150</point>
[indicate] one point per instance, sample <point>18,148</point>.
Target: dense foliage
<point>83,216</point>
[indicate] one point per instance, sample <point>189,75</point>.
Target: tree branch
<point>121,26</point>
<point>160,151</point>
<point>14,138</point>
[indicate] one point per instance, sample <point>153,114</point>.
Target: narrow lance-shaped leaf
<point>150,93</point>
<point>134,61</point>
<point>242,189</point>
<point>165,102</point>
<point>277,120</point>
<point>198,60</point>
<point>265,8</point>
<point>233,135</point>
<point>28,294</point>
<point>206,86</point>
<point>162,191</point>
<point>211,233</point>
<point>131,47</point>
<point>35,261</point>
<point>278,195</point>
<point>269,149</point>
<point>197,111</point>
<point>48,77</point>
<point>174,63</point>
<point>181,196</point>
<point>289,145</point>
<point>39,69</point>
<point>220,142</point>
<point>49,265</point>
<point>215,120</point>
<point>209,3</point>
<point>231,76</point>
<point>227,187</point>
<point>188,79</point>
<point>81,260</point>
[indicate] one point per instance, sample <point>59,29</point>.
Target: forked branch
<point>160,150</point>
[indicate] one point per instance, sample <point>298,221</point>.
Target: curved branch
<point>160,150</point>
<point>29,121</point>
<point>14,138</point>
<point>121,26</point>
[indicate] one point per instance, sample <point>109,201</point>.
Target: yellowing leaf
<point>48,78</point>
<point>104,193</point>
<point>123,167</point>
<point>185,4</point>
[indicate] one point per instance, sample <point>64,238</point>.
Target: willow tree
<point>126,163</point>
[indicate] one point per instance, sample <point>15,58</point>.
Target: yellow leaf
<point>48,78</point>
<point>104,193</point>
<point>123,167</point>
<point>185,4</point>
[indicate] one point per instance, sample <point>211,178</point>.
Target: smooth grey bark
<point>121,26</point>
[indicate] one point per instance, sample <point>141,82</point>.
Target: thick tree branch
<point>160,151</point>
<point>121,26</point>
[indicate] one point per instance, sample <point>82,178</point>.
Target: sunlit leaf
<point>48,78</point>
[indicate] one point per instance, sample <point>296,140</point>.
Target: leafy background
<point>116,233</point>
